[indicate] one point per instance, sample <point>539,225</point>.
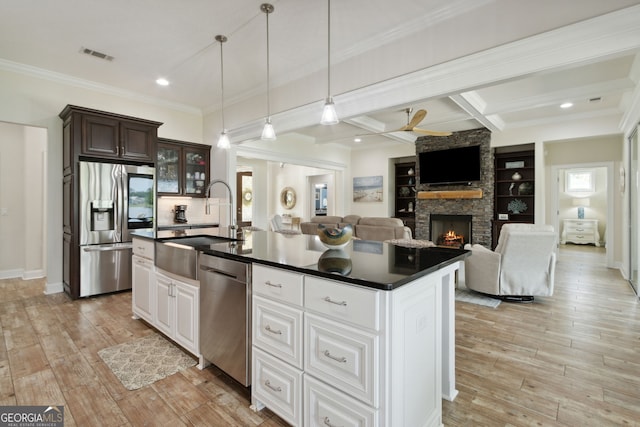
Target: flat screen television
<point>450,166</point>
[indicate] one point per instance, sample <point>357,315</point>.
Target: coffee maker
<point>179,214</point>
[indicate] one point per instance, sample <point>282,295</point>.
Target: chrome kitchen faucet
<point>232,220</point>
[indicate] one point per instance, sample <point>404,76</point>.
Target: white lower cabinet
<point>278,330</point>
<point>168,303</point>
<point>143,287</point>
<point>326,406</point>
<point>177,311</point>
<point>278,386</point>
<point>370,357</point>
<point>345,357</point>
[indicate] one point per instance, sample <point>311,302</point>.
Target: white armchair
<point>522,265</point>
<point>278,226</point>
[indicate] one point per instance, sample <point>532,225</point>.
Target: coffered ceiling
<point>148,39</point>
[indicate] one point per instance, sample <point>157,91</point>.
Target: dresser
<point>580,231</point>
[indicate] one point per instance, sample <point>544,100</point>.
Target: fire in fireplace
<point>450,230</point>
<point>450,238</point>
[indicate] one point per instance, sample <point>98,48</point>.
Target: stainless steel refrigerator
<point>114,200</point>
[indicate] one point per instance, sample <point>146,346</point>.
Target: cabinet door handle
<point>337,359</point>
<point>329,300</point>
<point>268,329</point>
<point>327,422</point>
<point>273,285</point>
<point>267,383</point>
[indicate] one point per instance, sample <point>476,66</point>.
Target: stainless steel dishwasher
<point>225,315</point>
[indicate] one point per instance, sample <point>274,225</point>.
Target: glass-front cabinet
<point>182,168</point>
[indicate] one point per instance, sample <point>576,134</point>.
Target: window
<point>580,180</point>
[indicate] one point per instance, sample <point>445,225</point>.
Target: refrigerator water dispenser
<point>102,215</point>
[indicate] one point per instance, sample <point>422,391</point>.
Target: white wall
<point>375,162</point>
<point>36,100</point>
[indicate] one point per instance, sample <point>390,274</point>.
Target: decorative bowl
<point>335,261</point>
<point>335,238</point>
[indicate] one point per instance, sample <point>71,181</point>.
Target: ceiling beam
<point>473,104</point>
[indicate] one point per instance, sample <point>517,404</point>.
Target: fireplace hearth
<point>452,231</point>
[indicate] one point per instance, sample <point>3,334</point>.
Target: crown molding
<point>64,79</point>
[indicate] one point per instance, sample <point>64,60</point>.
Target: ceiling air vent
<point>596,99</point>
<point>96,54</point>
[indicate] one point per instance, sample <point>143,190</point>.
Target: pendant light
<point>223,141</point>
<point>268,133</point>
<point>329,115</point>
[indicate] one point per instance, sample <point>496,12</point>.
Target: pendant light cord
<point>328,48</point>
<point>268,11</point>
<point>222,39</point>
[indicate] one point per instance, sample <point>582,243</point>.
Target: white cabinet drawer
<point>278,330</point>
<point>278,386</point>
<point>143,248</point>
<point>324,406</point>
<point>575,237</point>
<point>580,226</point>
<point>346,357</point>
<point>278,284</point>
<point>343,302</point>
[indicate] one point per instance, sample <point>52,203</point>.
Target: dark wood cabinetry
<point>99,136</point>
<point>514,188</point>
<point>182,168</point>
<point>405,194</point>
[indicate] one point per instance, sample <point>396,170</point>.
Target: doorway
<point>584,194</point>
<point>23,201</point>
<point>634,229</point>
<point>244,196</point>
<point>321,195</point>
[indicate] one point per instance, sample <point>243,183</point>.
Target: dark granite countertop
<point>362,262</point>
<point>186,226</point>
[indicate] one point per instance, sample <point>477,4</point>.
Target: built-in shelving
<point>405,194</point>
<point>514,189</point>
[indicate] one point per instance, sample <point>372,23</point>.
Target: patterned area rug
<point>145,360</point>
<point>466,295</point>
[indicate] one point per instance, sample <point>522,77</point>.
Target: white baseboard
<point>11,274</point>
<point>33,274</point>
<point>53,288</point>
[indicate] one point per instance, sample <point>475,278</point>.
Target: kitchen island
<point>358,336</point>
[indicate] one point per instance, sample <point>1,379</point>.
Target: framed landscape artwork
<point>367,189</point>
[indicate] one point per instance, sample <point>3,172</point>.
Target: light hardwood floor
<point>571,360</point>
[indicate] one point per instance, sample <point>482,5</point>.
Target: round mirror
<point>288,198</point>
<point>247,196</point>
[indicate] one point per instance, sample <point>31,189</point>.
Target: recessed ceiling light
<point>162,82</point>
<point>357,139</point>
<point>566,105</point>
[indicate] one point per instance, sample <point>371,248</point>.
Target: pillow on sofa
<point>349,219</point>
<point>311,227</point>
<point>326,220</point>
<point>381,221</point>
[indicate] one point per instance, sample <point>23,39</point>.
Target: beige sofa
<point>365,228</point>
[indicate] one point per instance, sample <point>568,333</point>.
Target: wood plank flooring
<point>572,359</point>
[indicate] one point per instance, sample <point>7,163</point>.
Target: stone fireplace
<point>450,230</point>
<point>480,210</point>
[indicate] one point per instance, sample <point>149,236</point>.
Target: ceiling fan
<point>412,122</point>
